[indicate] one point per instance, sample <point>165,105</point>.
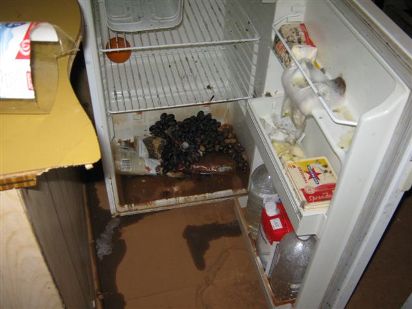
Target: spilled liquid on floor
<point>198,238</point>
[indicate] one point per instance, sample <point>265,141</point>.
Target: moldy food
<point>189,140</point>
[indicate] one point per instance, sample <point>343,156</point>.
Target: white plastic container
<point>142,15</point>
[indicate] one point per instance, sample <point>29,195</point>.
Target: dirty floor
<point>192,257</point>
<point>170,259</point>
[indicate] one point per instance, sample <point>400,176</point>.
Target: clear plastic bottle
<point>291,258</point>
<point>261,190</point>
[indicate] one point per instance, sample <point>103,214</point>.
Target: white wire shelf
<point>210,22</point>
<point>181,77</point>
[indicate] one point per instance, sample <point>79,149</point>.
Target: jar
<point>261,191</point>
<point>291,258</point>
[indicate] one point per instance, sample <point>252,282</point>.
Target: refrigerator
<point>217,56</point>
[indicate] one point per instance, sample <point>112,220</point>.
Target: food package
<point>15,71</point>
<point>314,181</point>
<point>297,37</point>
<point>288,152</point>
<point>132,158</point>
<point>154,146</point>
<point>213,163</point>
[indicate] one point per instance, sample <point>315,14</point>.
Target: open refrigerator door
<point>215,56</point>
<point>357,137</point>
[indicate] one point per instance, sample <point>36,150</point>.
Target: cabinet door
<point>57,212</point>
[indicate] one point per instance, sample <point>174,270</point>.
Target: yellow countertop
<point>33,144</point>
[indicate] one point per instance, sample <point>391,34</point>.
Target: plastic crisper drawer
<point>142,15</point>
<point>305,222</point>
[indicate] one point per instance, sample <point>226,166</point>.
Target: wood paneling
<point>25,280</point>
<point>56,208</point>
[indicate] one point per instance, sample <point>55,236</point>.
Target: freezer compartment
<point>180,77</point>
<point>314,144</point>
<point>141,193</point>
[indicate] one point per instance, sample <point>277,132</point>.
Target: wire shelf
<point>212,22</point>
<point>182,77</point>
<point>210,57</point>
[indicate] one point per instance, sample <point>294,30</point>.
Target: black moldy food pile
<point>181,145</point>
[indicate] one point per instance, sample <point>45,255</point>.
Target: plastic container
<point>132,158</point>
<point>142,15</point>
<point>291,258</point>
<point>274,225</point>
<point>261,191</point>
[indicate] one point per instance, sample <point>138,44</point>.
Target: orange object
<point>118,56</point>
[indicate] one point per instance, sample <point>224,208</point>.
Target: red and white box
<point>274,225</point>
<point>16,56</point>
<point>314,181</point>
<point>15,69</point>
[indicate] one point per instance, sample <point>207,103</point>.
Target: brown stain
<point>107,267</point>
<point>146,189</point>
<point>198,238</point>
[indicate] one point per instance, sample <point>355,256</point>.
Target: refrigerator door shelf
<point>305,222</point>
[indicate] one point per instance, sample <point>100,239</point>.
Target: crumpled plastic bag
<point>300,100</point>
<point>104,245</point>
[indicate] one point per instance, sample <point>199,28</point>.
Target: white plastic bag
<point>300,100</point>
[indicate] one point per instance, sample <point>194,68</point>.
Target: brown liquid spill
<point>107,266</point>
<point>198,238</point>
<point>153,188</point>
<point>145,189</point>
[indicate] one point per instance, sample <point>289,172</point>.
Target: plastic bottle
<point>291,258</point>
<point>261,191</point>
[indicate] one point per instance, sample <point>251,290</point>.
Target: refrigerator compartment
<point>203,23</point>
<point>150,193</point>
<point>186,76</point>
<point>314,144</point>
<point>132,16</point>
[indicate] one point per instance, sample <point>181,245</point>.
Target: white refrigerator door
<point>351,232</point>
